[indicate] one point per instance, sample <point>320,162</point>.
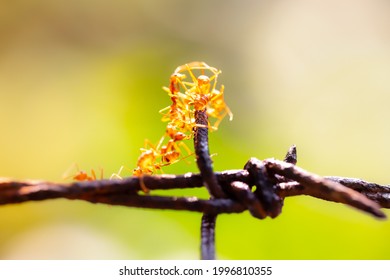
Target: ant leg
<point>200,66</point>
<point>148,144</point>
<point>142,184</point>
<point>73,167</point>
<point>188,150</point>
<point>218,121</point>
<point>164,109</point>
<point>117,175</point>
<point>160,143</point>
<point>93,175</point>
<point>194,79</point>
<point>214,79</point>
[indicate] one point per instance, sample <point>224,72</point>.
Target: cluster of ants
<point>188,93</point>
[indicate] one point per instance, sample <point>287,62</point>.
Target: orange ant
<point>82,175</point>
<point>206,97</point>
<point>148,163</point>
<point>179,113</point>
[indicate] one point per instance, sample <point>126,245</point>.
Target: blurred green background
<point>80,81</point>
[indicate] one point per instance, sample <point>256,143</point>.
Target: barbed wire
<point>287,180</point>
<point>291,181</point>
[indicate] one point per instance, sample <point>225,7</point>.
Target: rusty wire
<point>288,180</point>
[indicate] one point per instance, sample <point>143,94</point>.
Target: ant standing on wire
<point>82,175</point>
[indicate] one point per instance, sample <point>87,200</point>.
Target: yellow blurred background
<point>81,82</point>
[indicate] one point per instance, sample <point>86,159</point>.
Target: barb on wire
<point>317,186</point>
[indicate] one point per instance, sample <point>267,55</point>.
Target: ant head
<point>203,84</point>
<point>177,77</point>
<point>137,172</point>
<point>203,80</point>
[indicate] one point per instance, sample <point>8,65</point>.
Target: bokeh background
<point>80,82</point>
